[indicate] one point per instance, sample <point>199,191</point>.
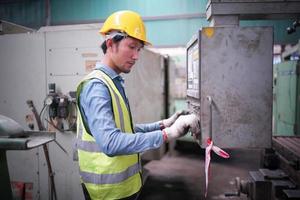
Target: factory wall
<point>170,23</point>
<point>27,13</point>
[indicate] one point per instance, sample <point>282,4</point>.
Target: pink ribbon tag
<point>219,152</point>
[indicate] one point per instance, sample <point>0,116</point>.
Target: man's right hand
<point>182,125</point>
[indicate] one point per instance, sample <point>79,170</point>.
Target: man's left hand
<point>168,122</point>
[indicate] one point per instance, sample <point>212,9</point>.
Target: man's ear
<point>109,43</point>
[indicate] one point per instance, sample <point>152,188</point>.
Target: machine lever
<point>45,148</point>
<point>210,101</point>
<point>232,194</point>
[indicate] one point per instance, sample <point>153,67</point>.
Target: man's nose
<point>135,55</point>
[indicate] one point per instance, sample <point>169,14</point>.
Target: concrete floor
<point>180,174</point>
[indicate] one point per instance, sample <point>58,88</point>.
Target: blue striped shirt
<point>96,107</point>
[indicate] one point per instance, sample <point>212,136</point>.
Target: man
<point>108,142</point>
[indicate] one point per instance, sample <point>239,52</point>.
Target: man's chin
<point>126,71</point>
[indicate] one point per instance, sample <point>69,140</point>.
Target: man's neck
<point>108,62</point>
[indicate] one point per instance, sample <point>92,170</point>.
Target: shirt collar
<point>110,72</point>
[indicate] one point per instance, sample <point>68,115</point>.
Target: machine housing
<point>229,85</point>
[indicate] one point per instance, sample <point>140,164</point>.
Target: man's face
<point>125,53</point>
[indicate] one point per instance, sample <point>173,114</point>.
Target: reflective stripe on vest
<point>107,177</point>
<point>118,107</point>
<point>89,146</point>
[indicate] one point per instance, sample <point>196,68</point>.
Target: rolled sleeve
<point>147,127</point>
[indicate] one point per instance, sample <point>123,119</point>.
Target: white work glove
<point>181,126</point>
<point>168,122</point>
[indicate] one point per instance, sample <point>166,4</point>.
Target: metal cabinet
<point>229,72</point>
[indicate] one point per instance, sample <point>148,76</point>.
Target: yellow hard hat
<point>126,21</point>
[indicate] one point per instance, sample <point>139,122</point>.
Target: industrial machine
<point>286,113</point>
<point>59,110</point>
<point>13,137</point>
<point>285,154</point>
<point>229,86</point>
<point>280,177</point>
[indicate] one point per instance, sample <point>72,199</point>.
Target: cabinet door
<point>236,73</point>
<point>285,98</point>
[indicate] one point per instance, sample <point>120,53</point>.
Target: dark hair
<point>115,39</point>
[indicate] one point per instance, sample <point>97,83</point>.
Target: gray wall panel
<point>23,77</point>
<point>63,55</point>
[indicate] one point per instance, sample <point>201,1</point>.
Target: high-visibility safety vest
<point>107,177</point>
